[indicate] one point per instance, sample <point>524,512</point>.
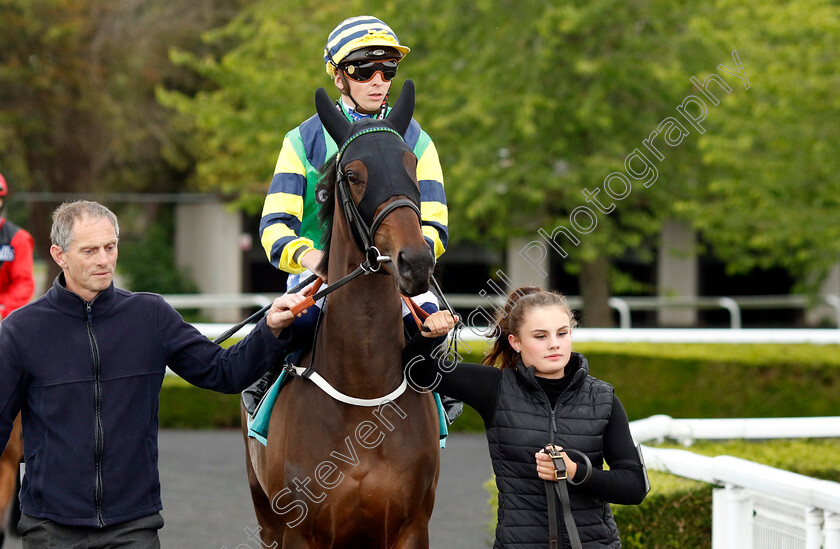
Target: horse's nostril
<point>415,265</point>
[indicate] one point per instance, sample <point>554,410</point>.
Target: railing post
<point>834,301</point>
<point>813,528</point>
<point>734,311</point>
<point>832,531</point>
<point>623,311</point>
<point>732,523</point>
<point>739,509</point>
<point>720,520</point>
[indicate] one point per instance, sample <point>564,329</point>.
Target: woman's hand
<point>545,465</point>
<point>439,324</point>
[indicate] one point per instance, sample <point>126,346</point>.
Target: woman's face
<point>545,340</point>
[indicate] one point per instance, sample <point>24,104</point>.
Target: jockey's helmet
<point>362,37</point>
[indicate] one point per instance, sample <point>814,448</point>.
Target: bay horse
<point>332,473</point>
<point>9,470</point>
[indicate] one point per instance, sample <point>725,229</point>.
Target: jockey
<point>17,283</point>
<point>361,56</point>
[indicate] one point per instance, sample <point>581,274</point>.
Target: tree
<point>772,194</point>
<point>78,109</point>
<point>541,113</point>
<point>264,66</point>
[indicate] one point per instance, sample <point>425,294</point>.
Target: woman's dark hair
<point>510,318</point>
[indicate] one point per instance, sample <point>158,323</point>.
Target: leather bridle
<point>362,233</point>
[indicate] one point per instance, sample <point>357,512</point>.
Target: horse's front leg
<point>415,537</point>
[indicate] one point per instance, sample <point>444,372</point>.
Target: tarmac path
<point>207,504</point>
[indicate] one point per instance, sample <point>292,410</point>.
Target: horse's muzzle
<point>414,269</point>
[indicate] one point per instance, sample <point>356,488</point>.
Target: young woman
<point>540,393</point>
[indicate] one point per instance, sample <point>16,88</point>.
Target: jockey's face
<point>90,261</point>
<point>369,95</point>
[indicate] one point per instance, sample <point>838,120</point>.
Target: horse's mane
<point>325,194</point>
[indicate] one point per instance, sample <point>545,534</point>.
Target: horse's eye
<point>352,178</point>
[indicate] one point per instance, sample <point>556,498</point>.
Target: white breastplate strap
<point>341,397</point>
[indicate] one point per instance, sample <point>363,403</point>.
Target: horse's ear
<point>332,119</point>
<point>400,116</point>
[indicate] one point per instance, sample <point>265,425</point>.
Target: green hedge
<point>690,380</point>
<point>710,381</point>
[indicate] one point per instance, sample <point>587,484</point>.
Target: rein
<point>558,486</point>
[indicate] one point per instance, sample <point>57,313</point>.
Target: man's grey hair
<point>65,216</point>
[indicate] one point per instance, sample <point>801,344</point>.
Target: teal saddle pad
<point>258,422</point>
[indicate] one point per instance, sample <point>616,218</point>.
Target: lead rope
<point>558,487</point>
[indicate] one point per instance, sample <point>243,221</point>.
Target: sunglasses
<point>363,71</point>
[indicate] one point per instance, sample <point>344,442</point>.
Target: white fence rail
<point>754,506</point>
<point>623,305</point>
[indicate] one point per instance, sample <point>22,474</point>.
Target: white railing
<point>623,305</point>
<point>210,301</point>
<point>753,506</point>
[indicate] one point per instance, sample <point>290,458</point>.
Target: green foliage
<point>267,64</point>
<point>705,381</point>
<point>770,196</point>
<point>183,406</point>
<point>676,513</point>
<point>148,262</point>
<point>700,381</point>
<point>79,112</point>
<point>530,103</point>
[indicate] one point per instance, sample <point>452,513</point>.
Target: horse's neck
<point>360,341</point>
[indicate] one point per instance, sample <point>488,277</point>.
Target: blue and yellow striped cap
<point>358,32</point>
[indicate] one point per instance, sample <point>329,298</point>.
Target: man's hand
<point>279,316</point>
<point>311,259</point>
<point>439,323</point>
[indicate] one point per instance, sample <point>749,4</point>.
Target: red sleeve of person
<point>17,283</point>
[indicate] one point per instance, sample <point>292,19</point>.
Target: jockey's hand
<point>279,316</point>
<point>439,324</point>
<point>311,259</point>
<point>545,465</point>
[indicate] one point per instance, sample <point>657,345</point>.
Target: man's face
<point>369,95</point>
<point>90,261</point>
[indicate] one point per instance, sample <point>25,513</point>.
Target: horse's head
<point>379,173</point>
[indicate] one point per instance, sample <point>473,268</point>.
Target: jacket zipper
<point>97,402</point>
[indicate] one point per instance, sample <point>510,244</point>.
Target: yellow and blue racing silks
<point>289,224</point>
